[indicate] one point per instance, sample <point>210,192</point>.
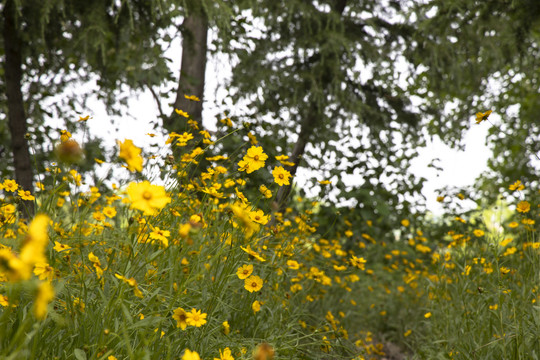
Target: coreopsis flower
<point>256,306</point>
<point>226,327</point>
<point>192,97</point>
<point>61,247</point>
<point>517,186</point>
<point>161,235</point>
<point>83,118</point>
<point>405,222</point>
<point>357,262</point>
<point>190,355</point>
<point>180,316</point>
<point>43,271</point>
<point>196,318</point>
<point>482,116</point>
<point>4,300</point>
<point>440,199</point>
<point>10,185</point>
<point>181,113</point>
<point>45,295</point>
<point>253,283</point>
<point>523,207</point>
<point>244,271</point>
<point>147,197</point>
<point>33,250</point>
<point>64,135</point>
<point>293,264</point>
<point>183,139</point>
<point>131,282</point>
<point>263,351</point>
<point>265,191</point>
<point>478,233</point>
<point>281,176</point>
<point>132,155</point>
<point>97,264</point>
<point>258,217</point>
<point>427,315</point>
<point>109,211</point>
<point>225,354</point>
<point>248,250</point>
<point>253,160</point>
<point>324,182</point>
<point>26,195</point>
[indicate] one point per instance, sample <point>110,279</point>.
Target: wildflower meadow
<point>176,260</point>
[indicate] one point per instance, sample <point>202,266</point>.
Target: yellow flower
<point>440,199</point>
<point>36,242</point>
<point>281,176</point>
<point>45,295</point>
<point>190,355</point>
<point>192,97</point>
<point>493,307</point>
<point>359,263</point>
<point>407,333</point>
<point>253,160</point>
<point>258,217</point>
<point>43,271</point>
<point>180,316</point>
<point>61,247</point>
<point>293,264</point>
<point>10,185</point>
<point>225,355</point>
<point>482,116</point>
<point>264,190</point>
<point>517,186</point>
<point>226,327</point>
<point>478,233</point>
<point>256,306</point>
<point>147,197</point>
<point>83,118</point>
<point>132,155</point>
<point>253,283</point>
<point>161,235</point>
<point>196,318</point>
<point>513,224</point>
<point>4,300</point>
<point>405,222</point>
<point>324,182</point>
<point>182,113</point>
<point>26,195</point>
<point>244,271</point>
<point>427,315</point>
<point>523,207</point>
<point>264,351</point>
<point>109,211</point>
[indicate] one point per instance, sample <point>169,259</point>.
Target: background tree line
<point>341,86</point>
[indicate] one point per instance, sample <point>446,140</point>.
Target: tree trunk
<point>192,69</point>
<point>306,129</point>
<point>16,116</point>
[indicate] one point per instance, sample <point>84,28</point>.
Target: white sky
<point>460,168</point>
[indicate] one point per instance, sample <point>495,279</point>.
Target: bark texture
<point>16,114</point>
<point>192,69</point>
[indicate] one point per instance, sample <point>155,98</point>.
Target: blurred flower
<point>132,155</point>
<point>263,351</point>
<point>45,295</point>
<point>523,207</point>
<point>225,354</point>
<point>69,152</point>
<point>192,97</point>
<point>147,197</point>
<point>517,186</point>
<point>190,355</point>
<point>482,116</point>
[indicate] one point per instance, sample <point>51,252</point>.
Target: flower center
<point>280,176</point>
<point>147,195</point>
<point>256,157</point>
